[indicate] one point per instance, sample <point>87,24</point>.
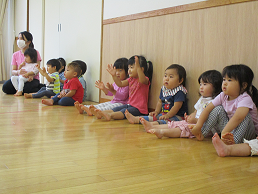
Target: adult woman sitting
<point>24,41</point>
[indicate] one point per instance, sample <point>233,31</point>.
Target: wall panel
<point>199,40</point>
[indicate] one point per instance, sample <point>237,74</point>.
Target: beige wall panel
<point>199,40</point>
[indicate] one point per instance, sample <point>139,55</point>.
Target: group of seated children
<point>227,103</point>
<point>59,77</point>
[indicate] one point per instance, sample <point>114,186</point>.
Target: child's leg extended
<point>136,119</point>
<point>245,130</point>
<point>43,92</point>
<point>66,101</point>
<point>223,150</point>
<point>107,114</point>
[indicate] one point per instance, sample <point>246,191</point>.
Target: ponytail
<point>254,95</point>
<point>149,70</point>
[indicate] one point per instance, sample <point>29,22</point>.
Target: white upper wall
<point>118,8</point>
<point>20,16</point>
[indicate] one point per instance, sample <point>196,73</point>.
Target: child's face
<point>231,87</point>
<point>206,89</point>
<point>171,79</point>
<point>69,72</point>
<point>120,73</point>
<point>27,59</point>
<point>132,71</point>
<point>51,69</point>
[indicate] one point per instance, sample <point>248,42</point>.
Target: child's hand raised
<point>137,64</point>
<point>100,85</point>
<point>37,66</point>
<point>110,87</point>
<point>111,69</point>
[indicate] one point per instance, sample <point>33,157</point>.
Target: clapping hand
<point>100,85</point>
<point>110,87</point>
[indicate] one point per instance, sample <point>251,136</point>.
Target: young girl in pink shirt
<point>121,94</point>
<point>233,112</point>
<point>140,75</point>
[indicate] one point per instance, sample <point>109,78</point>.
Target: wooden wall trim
<point>172,10</point>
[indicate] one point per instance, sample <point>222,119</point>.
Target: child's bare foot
<point>93,111</point>
<point>48,102</point>
<point>86,109</point>
<point>100,114</point>
<point>196,133</point>
<point>77,105</point>
<point>147,125</point>
<point>26,95</point>
<point>228,139</point>
<point>221,148</point>
<point>157,132</point>
<point>132,119</point>
<point>18,93</point>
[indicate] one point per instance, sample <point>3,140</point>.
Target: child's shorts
<point>253,145</point>
<point>183,126</point>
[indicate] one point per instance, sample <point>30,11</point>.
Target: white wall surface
<point>36,24</point>
<point>118,8</point>
<point>20,14</point>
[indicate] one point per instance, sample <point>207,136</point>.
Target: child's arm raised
<point>43,72</point>
<point>157,109</point>
<point>203,117</point>
<point>101,86</point>
<point>142,77</point>
<point>112,71</point>
<point>237,118</point>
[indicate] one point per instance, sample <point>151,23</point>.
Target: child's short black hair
<point>121,63</point>
<point>180,71</point>
<point>83,66</point>
<point>77,68</point>
<point>213,77</point>
<point>54,63</point>
<point>32,53</point>
<point>62,63</point>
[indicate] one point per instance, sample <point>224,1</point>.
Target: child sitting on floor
<point>52,84</point>
<point>81,79</point>
<point>72,90</point>
<point>29,65</point>
<point>172,103</point>
<point>140,75</point>
<point>233,110</point>
<point>120,93</point>
<point>210,87</point>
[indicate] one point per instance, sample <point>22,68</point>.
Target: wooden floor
<point>56,150</point>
